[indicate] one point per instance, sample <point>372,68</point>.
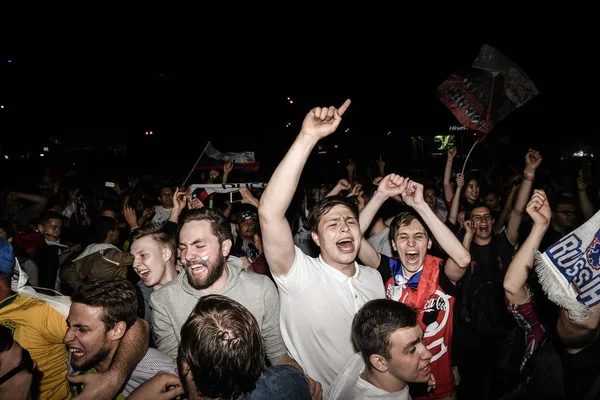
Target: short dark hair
<point>375,322</point>
<point>101,226</point>
<point>478,204</point>
<point>405,218</point>
<point>115,295</point>
<point>324,206</point>
<point>48,215</point>
<point>218,223</point>
<point>222,344</point>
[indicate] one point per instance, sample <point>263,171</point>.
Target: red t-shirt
<point>436,319</point>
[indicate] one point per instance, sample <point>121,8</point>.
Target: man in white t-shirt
<point>391,354</point>
<point>319,296</point>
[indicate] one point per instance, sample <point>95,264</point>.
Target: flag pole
<point>194,167</point>
<point>467,159</point>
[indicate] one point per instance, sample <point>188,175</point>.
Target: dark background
<point>235,94</point>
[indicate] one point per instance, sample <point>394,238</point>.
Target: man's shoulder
<point>369,273</point>
<point>166,291</point>
<point>253,278</point>
<point>281,381</point>
<point>156,361</point>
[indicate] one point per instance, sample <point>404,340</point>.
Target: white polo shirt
<point>318,303</point>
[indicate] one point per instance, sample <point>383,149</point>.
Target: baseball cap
<point>7,258</point>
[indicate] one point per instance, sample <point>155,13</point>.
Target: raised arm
<point>533,159</point>
<point>342,184</point>
<point>459,257</point>
<point>499,223</point>
<point>453,214</point>
<point>391,185</point>
<point>585,203</point>
<point>277,236</point>
<point>521,264</point>
<point>448,195</point>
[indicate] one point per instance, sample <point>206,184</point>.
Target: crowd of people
<point>396,288</point>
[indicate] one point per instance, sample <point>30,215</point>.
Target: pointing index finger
<point>344,107</point>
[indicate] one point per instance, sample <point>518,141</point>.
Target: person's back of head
<point>221,354</point>
<point>105,230</point>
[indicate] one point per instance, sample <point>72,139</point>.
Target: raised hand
<point>413,194</point>
<point>538,209</point>
<point>581,185</point>
<point>343,184</point>
<point>468,225</point>
<point>323,121</point>
<point>452,153</point>
<point>194,203</point>
<point>248,197</point>
<point>179,199</point>
<point>392,185</point>
<point>460,180</point>
<point>533,159</point>
<point>356,190</point>
<point>130,216</point>
<point>227,167</point>
<point>351,167</point>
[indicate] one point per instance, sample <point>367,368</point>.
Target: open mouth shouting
<point>412,256</point>
<point>198,270</point>
<point>346,245</point>
<point>76,353</point>
<point>143,273</point>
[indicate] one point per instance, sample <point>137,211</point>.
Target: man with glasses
<point>16,368</point>
<point>484,323</point>
<point>565,219</point>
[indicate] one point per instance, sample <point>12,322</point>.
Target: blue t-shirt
<point>280,382</point>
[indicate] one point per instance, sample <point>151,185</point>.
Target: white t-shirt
<point>381,242</point>
<point>350,386</point>
<point>318,303</point>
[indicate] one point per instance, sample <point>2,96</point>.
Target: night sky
<point>236,94</point>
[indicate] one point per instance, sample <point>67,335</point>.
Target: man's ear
<point>185,368</point>
<point>226,247</point>
<point>429,243</point>
<point>315,238</point>
<point>167,254</point>
<point>378,362</point>
<point>118,331</point>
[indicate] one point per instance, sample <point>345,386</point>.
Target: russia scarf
<point>569,270</point>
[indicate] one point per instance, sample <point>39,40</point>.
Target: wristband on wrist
<point>527,176</point>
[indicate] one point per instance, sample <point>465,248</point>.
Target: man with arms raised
<point>319,296</point>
